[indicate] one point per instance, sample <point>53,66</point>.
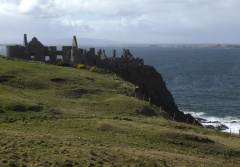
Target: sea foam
<point>231,122</point>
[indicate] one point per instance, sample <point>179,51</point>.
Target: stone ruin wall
<point>36,51</point>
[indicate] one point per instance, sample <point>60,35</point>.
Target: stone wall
<point>35,50</point>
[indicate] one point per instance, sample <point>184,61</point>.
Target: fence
<point>142,97</point>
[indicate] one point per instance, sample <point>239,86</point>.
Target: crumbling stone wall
<point>35,50</point>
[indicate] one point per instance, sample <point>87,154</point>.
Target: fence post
<point>187,120</point>
<point>160,108</point>
<point>149,100</point>
<point>194,121</point>
<point>174,117</point>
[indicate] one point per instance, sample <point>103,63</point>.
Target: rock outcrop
<point>150,84</point>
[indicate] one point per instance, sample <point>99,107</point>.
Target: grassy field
<point>62,116</point>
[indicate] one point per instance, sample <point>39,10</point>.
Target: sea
<point>204,81</point>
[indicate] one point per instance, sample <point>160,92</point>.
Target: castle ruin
<point>36,51</point>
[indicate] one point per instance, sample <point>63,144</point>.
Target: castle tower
<point>74,48</point>
<point>25,43</point>
<point>114,53</point>
<point>74,42</point>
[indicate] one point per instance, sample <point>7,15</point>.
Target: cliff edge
<point>151,85</point>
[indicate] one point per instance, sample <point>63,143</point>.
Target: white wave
<point>231,122</point>
<point>196,114</point>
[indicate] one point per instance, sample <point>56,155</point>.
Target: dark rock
<point>212,122</point>
<point>222,127</point>
<point>151,84</point>
<point>201,119</point>
<point>234,122</point>
<point>210,127</point>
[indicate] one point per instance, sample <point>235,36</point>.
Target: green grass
<point>61,116</point>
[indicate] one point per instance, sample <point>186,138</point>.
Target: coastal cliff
<point>82,117</point>
<point>151,84</point>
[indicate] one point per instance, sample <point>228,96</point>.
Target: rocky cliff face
<point>151,84</point>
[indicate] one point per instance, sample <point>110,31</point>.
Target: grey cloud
<point>145,20</point>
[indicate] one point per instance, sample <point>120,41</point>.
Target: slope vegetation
<point>62,116</point>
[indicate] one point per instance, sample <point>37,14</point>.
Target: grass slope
<point>59,116</point>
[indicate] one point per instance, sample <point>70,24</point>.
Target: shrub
<point>81,66</point>
<point>75,65</point>
<point>93,69</point>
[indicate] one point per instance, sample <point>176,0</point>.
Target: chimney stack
<point>25,43</point>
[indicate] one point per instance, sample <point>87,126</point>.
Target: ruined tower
<point>74,48</point>
<point>74,42</point>
<point>25,43</point>
<point>114,53</point>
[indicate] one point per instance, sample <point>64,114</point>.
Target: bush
<point>93,69</point>
<point>75,65</point>
<point>81,66</point>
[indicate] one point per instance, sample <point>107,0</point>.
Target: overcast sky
<point>137,21</point>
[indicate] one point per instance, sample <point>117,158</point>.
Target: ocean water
<point>204,82</point>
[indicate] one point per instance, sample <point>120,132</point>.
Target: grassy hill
<point>61,116</point>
